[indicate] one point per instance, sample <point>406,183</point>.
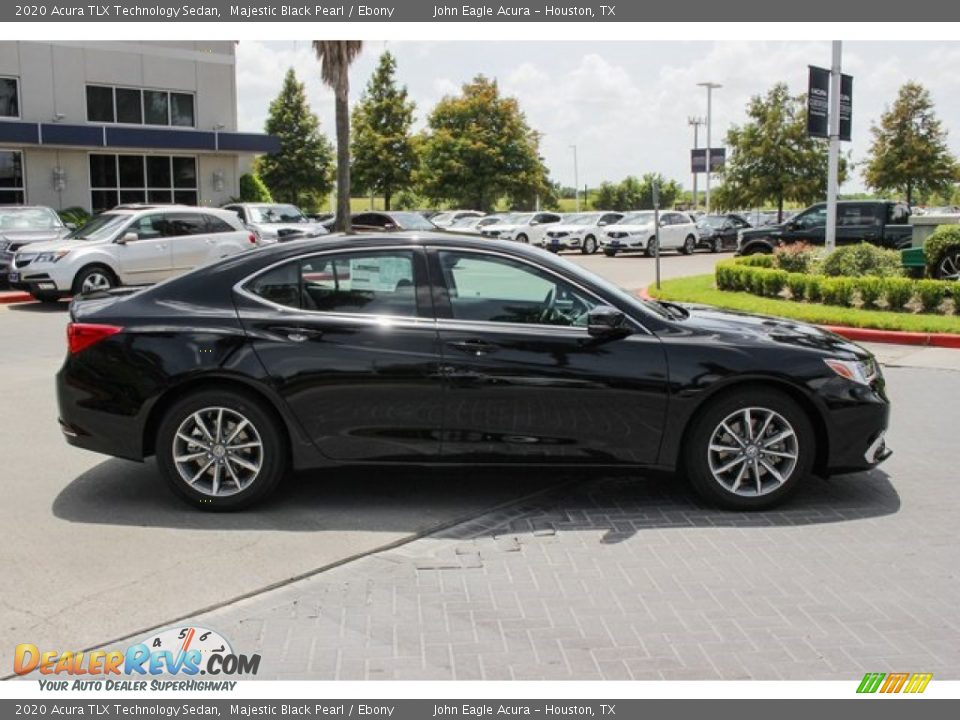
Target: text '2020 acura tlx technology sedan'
<point>437,349</point>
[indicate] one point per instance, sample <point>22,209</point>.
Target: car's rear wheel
<point>589,245</point>
<point>689,245</point>
<point>750,449</point>
<point>93,278</point>
<point>221,450</point>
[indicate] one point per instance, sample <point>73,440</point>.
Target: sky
<point>623,104</point>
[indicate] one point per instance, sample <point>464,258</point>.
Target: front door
<point>349,341</point>
<point>148,259</point>
<point>809,226</point>
<point>525,382</point>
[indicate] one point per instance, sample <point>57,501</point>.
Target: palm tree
<point>335,57</point>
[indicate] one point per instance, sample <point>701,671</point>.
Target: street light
<point>695,122</point>
<point>710,86</point>
<point>576,179</point>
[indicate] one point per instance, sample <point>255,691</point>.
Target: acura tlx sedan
<point>436,349</point>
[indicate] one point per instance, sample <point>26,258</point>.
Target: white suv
<point>636,231</point>
<point>136,246</point>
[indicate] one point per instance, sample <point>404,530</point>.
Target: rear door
<point>350,342</point>
<point>191,242</point>
<point>149,258</point>
<point>859,222</point>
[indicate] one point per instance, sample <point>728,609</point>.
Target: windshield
<point>466,222</point>
<point>637,218</point>
<point>444,217</point>
<point>28,219</point>
<point>100,227</point>
<point>714,221</point>
<point>517,219</point>
<point>412,221</point>
<point>584,219</point>
<point>275,214</point>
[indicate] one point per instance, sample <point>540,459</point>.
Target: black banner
<point>698,160</point>
<point>846,107</point>
<point>818,103</point>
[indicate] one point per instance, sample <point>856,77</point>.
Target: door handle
<point>298,334</point>
<point>473,347</point>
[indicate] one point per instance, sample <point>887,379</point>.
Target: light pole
<point>695,122</point>
<point>576,179</point>
<point>710,86</point>
<point>833,158</point>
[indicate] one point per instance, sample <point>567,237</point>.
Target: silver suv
<point>136,246</point>
<point>274,222</point>
<point>25,224</point>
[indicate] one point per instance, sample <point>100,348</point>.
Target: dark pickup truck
<point>879,222</point>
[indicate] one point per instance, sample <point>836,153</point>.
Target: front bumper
<point>858,417</point>
<point>36,281</point>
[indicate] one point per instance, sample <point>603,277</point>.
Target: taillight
<point>252,238</point>
<point>80,336</point>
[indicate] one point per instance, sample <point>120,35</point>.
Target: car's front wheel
<point>749,449</point>
<point>689,245</point>
<point>93,278</point>
<point>221,450</point>
<point>523,238</point>
<point>589,245</point>
<point>949,267</point>
<point>651,248</point>
<point>610,253</point>
<point>43,297</point>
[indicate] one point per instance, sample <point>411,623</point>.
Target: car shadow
<point>35,306</point>
<point>119,492</point>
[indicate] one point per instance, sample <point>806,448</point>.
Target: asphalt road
<point>97,549</point>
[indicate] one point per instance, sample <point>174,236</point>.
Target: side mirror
<point>389,226</point>
<point>602,223</point>
<point>605,321</point>
<point>127,238</point>
<point>534,222</point>
<point>70,226</point>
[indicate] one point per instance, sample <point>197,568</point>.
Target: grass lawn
<point>701,289</point>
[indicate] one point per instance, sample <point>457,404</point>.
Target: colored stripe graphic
<point>914,683</point>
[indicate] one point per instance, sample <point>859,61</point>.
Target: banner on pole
<point>698,160</point>
<point>818,102</point>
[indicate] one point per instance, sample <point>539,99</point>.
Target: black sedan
<point>437,349</point>
<point>719,232</point>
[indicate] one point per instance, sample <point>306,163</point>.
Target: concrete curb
<point>13,296</point>
<point>893,337</point>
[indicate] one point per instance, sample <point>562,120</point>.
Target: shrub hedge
<point>747,274</point>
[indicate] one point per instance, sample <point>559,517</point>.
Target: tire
<point>50,298</point>
<point>589,246</point>
<point>95,277</point>
<point>715,246</point>
<point>225,484</point>
<point>689,245</point>
<point>610,253</point>
<point>949,266</point>
<point>705,465</point>
<point>650,250</point>
<point>523,238</point>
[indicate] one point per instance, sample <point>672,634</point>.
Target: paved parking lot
<point>601,577</point>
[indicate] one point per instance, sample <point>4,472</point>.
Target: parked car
<point>276,222</point>
<point>22,225</point>
<point>579,232</point>
<point>879,222</point>
<point>449,217</point>
<point>719,232</point>
<point>390,221</point>
<point>636,231</point>
<point>425,349</point>
<point>474,225</point>
<point>128,247</point>
<point>522,227</point>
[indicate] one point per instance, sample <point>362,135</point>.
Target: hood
<point>501,228</point>
<point>23,237</point>
<point>63,244</point>
<point>763,231</point>
<point>560,227</point>
<point>617,227</point>
<point>744,328</point>
<point>273,229</point>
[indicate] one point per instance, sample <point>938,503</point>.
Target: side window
<point>181,224</point>
<point>490,288</point>
<point>610,218</point>
<point>898,214</point>
<point>149,227</point>
<point>216,225</point>
<point>238,210</point>
<point>373,283</point>
<point>369,219</point>
<point>813,218</point>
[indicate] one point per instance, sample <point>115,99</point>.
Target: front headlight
<point>51,257</point>
<point>863,372</point>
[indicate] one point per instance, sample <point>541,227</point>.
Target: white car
<point>273,222</point>
<point>450,217</point>
<point>474,225</point>
<point>579,232</point>
<point>636,231</point>
<point>522,227</point>
<point>128,247</point>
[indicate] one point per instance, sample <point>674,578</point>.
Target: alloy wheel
<point>949,268</point>
<point>753,451</point>
<point>217,451</point>
<point>589,245</point>
<point>95,281</point>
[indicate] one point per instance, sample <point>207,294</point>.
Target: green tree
<point>253,189</point>
<point>478,149</point>
<point>335,58</point>
<point>633,193</point>
<point>771,158</point>
<point>384,156</point>
<point>909,151</point>
<point>300,173</point>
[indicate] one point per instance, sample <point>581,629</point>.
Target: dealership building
<point>97,124</point>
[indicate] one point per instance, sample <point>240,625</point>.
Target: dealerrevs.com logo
<point>889,683</point>
<point>183,651</point>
